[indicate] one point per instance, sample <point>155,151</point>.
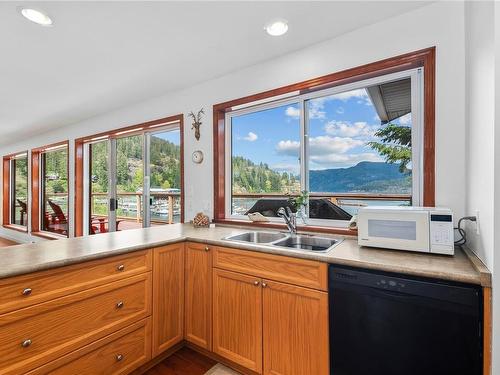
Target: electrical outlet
<point>477,222</point>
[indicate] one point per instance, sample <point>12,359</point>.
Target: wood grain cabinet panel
<point>295,326</point>
<point>38,334</point>
<point>22,291</point>
<point>302,272</point>
<point>237,323</point>
<point>116,354</point>
<point>198,306</point>
<point>168,297</point>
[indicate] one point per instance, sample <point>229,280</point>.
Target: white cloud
<point>316,108</point>
<point>348,129</point>
<point>327,152</point>
<point>289,148</point>
<point>342,160</point>
<point>325,144</point>
<point>321,145</point>
<point>251,137</point>
<point>406,119</point>
<point>292,112</point>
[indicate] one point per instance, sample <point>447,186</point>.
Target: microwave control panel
<point>441,233</point>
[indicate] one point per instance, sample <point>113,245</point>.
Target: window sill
<point>18,228</point>
<point>48,235</point>
<point>304,228</point>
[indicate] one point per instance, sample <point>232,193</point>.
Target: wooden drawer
<point>60,326</point>
<point>302,272</point>
<point>118,353</point>
<point>22,291</point>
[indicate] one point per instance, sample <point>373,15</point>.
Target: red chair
<point>56,222</point>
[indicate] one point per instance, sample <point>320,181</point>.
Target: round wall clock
<point>197,157</point>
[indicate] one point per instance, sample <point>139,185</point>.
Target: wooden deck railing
<point>170,196</point>
<point>336,198</point>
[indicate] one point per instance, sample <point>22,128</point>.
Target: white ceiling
<point>100,56</point>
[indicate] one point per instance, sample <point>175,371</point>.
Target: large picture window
<point>360,137</point>
<point>348,147</point>
<point>16,191</point>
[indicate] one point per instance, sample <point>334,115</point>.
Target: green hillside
<point>165,164</point>
<point>249,177</point>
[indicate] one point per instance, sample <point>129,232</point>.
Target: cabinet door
<point>198,314</point>
<point>295,324</point>
<point>237,320</point>
<point>168,296</point>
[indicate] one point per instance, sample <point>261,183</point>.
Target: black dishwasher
<point>391,324</point>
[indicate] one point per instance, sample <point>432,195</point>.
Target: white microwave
<point>423,229</point>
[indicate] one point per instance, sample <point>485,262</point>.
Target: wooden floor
<point>5,242</point>
<point>183,362</point>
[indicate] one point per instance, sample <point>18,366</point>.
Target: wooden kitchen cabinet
<point>271,312</point>
<point>237,324</point>
<point>295,330</point>
<point>115,354</point>
<point>198,302</point>
<point>168,297</point>
<point>41,333</point>
<point>31,289</point>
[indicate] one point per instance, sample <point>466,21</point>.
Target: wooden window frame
<point>6,193</point>
<point>36,188</point>
<point>423,58</point>
<point>79,162</point>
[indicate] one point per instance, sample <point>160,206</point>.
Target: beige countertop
<point>28,258</point>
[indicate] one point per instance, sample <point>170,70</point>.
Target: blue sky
<point>173,136</point>
<point>339,128</point>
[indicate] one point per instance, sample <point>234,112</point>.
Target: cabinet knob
<point>256,283</point>
<point>27,292</point>
<point>207,248</point>
<point>119,357</point>
<point>264,285</point>
<point>26,343</point>
<point>121,267</point>
<point>119,305</point>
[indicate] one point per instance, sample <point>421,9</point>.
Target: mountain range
<point>374,177</point>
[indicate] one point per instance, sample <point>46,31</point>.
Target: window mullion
<point>304,150</point>
<point>304,173</point>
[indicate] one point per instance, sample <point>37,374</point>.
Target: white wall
<point>483,143</point>
<point>496,203</point>
<point>480,99</point>
<point>439,24</point>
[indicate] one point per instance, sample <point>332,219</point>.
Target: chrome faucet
<point>290,219</point>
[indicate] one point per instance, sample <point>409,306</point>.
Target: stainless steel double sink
<point>283,240</point>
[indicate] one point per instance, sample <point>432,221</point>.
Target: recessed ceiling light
<point>36,16</point>
<point>277,27</point>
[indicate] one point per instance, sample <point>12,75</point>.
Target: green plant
<point>299,201</point>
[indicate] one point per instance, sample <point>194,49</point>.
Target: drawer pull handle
<point>26,343</point>
<point>119,305</point>
<point>119,357</point>
<point>27,292</point>
<point>207,248</point>
<point>121,267</point>
<point>264,285</point>
<point>256,283</point>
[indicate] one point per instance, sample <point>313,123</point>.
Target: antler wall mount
<point>196,122</point>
